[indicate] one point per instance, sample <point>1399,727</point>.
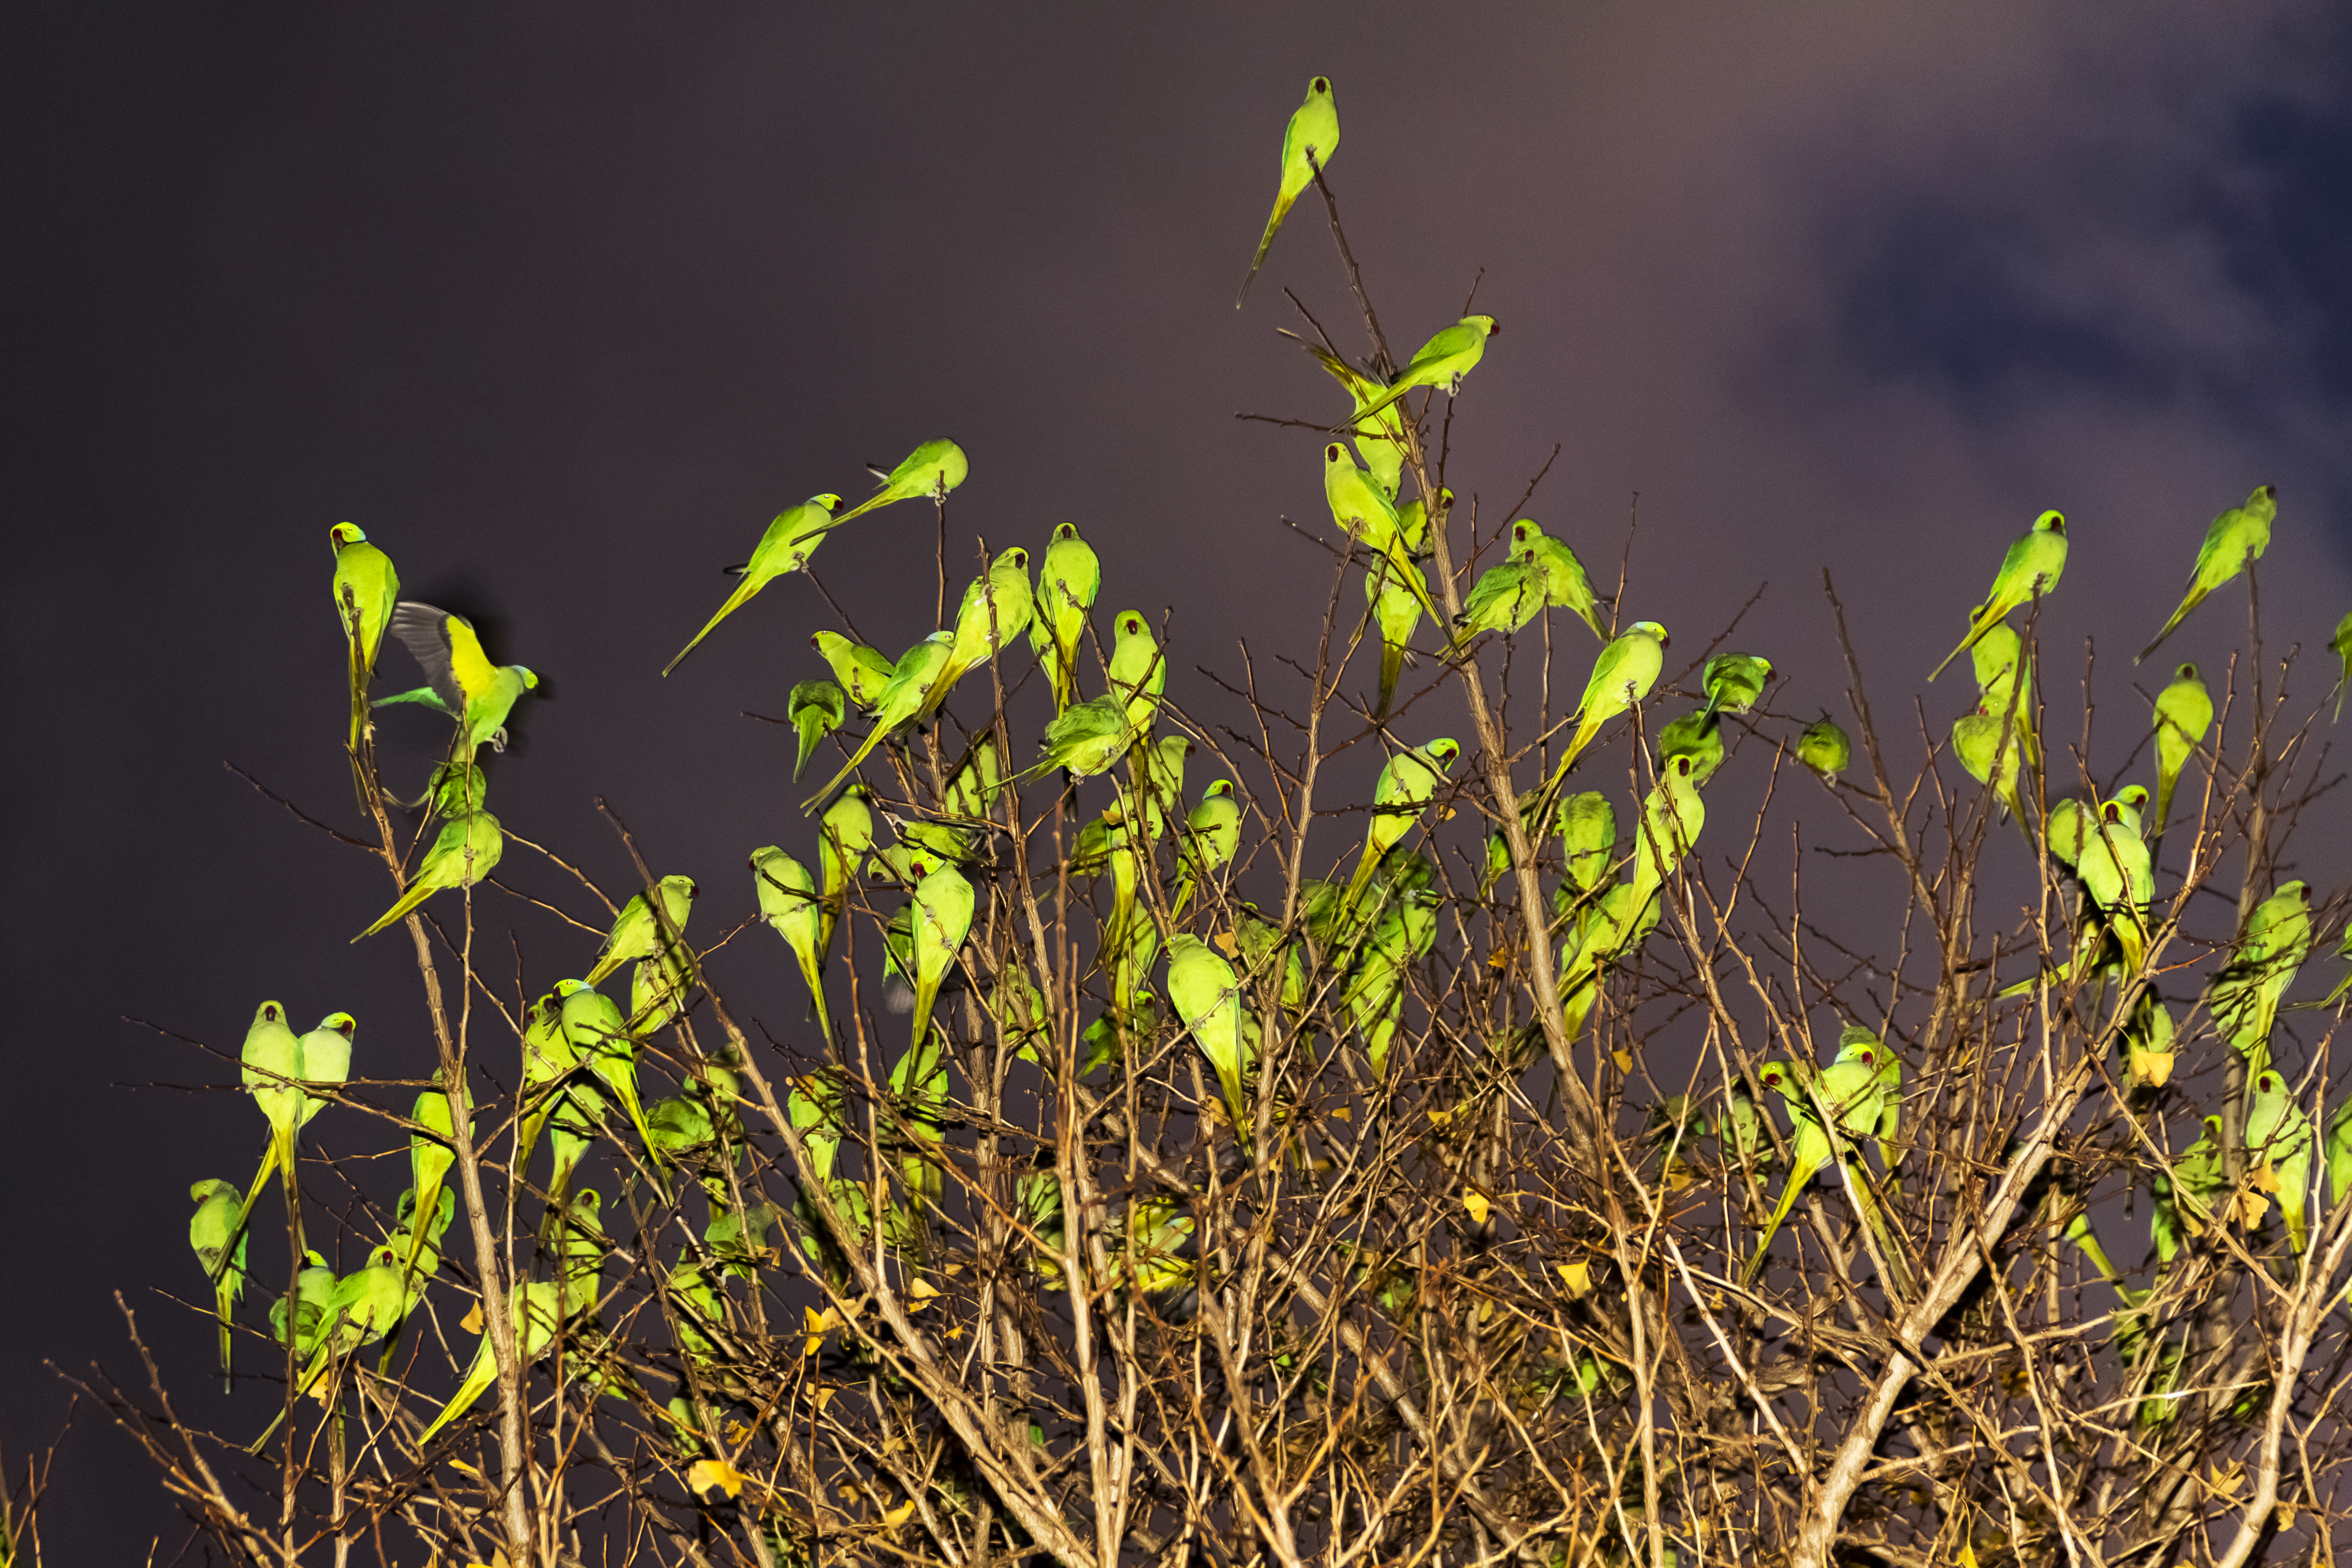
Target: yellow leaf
<point>900,1515</point>
<point>472,1322</point>
<point>955,1333</point>
<point>1476,1202</point>
<point>1438,1119</point>
<point>951,1269</point>
<point>2263,1178</point>
<point>1343,1113</point>
<point>1579,1277</point>
<point>818,1324</point>
<point>2286,1516</point>
<point>824,1395</point>
<point>921,1293</point>
<point>497,1560</point>
<point>1224,944</point>
<point>2151,1067</point>
<point>2252,1206</point>
<point>1967,1557</point>
<point>705,1474</point>
<point>1623,1058</point>
<point>2226,1482</point>
<point>737,1433</point>
<point>1678,1175</point>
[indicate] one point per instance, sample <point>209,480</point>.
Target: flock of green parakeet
<point>1352,942</point>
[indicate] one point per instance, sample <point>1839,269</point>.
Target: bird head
<point>342,1023</point>
<point>2050,523</point>
<point>344,534</point>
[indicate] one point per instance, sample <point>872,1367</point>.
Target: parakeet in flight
<point>1067,581</point>
<point>785,547</point>
<point>461,681</point>
<point>931,469</point>
<point>2030,567</point>
<point>464,852</point>
<point>365,588</point>
<point>2233,539</point>
<point>1307,142</point>
<point>863,671</point>
<point>637,934</point>
<point>1442,362</point>
<point>217,1218</point>
<point>2184,712</point>
<point>1622,676</point>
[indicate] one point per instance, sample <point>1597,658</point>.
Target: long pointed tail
<point>735,601</point>
<point>1272,228</point>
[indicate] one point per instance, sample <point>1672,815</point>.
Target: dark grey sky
<point>561,304</point>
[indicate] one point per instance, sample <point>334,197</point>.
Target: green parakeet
<point>1824,748</point>
<point>2030,567</point>
<point>1373,997</point>
<point>919,668</point>
<point>431,1153</point>
<point>1507,596</point>
<point>1067,581</point>
<point>466,851</point>
<point>1622,676</point>
<point>1587,838</point>
<point>2235,538</point>
<point>314,1287</point>
<point>1697,737</point>
<point>2184,712</point>
<point>1850,1088</point>
<point>943,907</point>
<point>583,1246</point>
<point>326,1059</point>
<point>996,609</point>
<point>366,589</point>
<point>1442,362</point>
<point>272,1056</point>
<point>637,935</point>
<point>548,1060</point>
<point>862,671</point>
<point>1307,142</point>
<point>1363,511</point>
<point>2278,1135</point>
<point>1380,439</point>
<point>814,709</point>
<point>219,1211</point>
<point>2342,643</point>
<point>2201,1175</point>
<point>2118,879</point>
<point>1407,783</point>
<point>2340,1154</point>
<point>845,834</point>
<point>931,471</point>
<point>1207,995</point>
<point>600,1036</point>
<point>1137,671</point>
<point>1160,781</point>
<point>2248,988</point>
<point>1396,594</point>
<point>1213,833</point>
<point>789,901</point>
<point>1981,740</point>
<point>2005,680</point>
<point>1566,585</point>
<point>1671,819</point>
<point>460,679</point>
<point>1088,740</point>
<point>1734,683</point>
<point>785,547</point>
<point>360,1308</point>
<point>536,1311</point>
